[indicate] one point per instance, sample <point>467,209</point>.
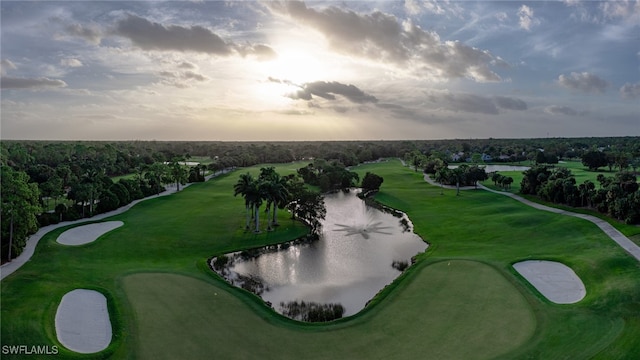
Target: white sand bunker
<point>82,321</point>
<point>87,233</point>
<point>556,281</point>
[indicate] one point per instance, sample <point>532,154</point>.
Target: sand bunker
<point>87,233</point>
<point>554,280</point>
<point>82,321</point>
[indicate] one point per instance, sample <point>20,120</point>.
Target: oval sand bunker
<point>87,233</point>
<point>556,281</point>
<point>82,321</point>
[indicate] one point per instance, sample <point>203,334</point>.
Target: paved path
<point>8,268</point>
<point>607,228</point>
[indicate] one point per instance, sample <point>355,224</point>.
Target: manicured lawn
<point>449,310</point>
<point>462,299</point>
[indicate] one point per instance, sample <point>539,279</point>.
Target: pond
<point>361,250</point>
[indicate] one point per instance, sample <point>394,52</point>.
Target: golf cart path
<point>10,267</point>
<point>607,228</point>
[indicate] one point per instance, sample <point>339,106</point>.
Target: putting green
<point>446,310</point>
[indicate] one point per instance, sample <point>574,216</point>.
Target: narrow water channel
<point>358,253</point>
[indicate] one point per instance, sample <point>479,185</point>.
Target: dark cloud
<point>584,82</point>
<point>328,91</point>
<point>384,37</point>
<point>630,91</point>
<point>509,103</point>
<point>470,103</point>
<point>561,110</point>
<point>259,51</point>
<point>89,33</point>
<point>475,103</point>
<point>149,35</point>
<point>154,36</point>
<point>30,83</point>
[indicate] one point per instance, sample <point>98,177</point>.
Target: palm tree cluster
<point>269,188</point>
<point>499,179</point>
<point>460,176</point>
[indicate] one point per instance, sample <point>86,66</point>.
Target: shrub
<point>311,311</point>
<point>400,265</point>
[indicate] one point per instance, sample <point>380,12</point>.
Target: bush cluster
<point>311,311</point>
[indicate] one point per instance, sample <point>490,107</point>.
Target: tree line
<point>75,194</point>
<point>617,196</point>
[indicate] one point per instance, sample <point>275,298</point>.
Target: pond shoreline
<point>361,250</point>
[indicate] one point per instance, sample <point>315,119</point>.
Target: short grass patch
<point>447,310</point>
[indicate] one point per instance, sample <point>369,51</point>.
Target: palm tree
<point>155,173</point>
<point>280,194</point>
<point>255,196</point>
<point>242,187</point>
<point>178,173</point>
<point>266,190</point>
<point>440,176</point>
<point>92,178</point>
<point>458,174</point>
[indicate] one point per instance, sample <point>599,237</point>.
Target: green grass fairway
<point>461,300</point>
<point>448,310</point>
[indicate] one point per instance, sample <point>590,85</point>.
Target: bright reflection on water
<point>349,264</point>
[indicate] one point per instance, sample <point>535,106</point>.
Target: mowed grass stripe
<point>448,310</point>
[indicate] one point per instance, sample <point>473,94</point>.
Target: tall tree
<point>371,182</point>
<point>19,209</point>
<point>594,159</point>
<point>243,187</point>
<point>155,175</point>
<point>280,194</point>
<point>179,173</point>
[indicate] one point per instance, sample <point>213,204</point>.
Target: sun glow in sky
<point>292,70</point>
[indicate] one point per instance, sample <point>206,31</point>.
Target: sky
<point>321,70</point>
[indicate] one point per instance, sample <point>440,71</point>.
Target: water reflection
<point>356,256</point>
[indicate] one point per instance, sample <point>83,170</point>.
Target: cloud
<point>584,82</point>
<point>478,104</point>
<point>501,16</point>
<point>561,110</point>
<point>89,33</point>
<point>527,20</point>
<point>187,65</point>
<point>329,90</point>
<point>509,103</point>
<point>6,64</point>
<point>182,79</point>
<point>259,51</point>
<point>412,7</point>
<point>438,7</point>
<point>30,83</point>
<point>71,62</point>
<point>149,35</point>
<point>623,9</point>
<point>383,37</point>
<point>630,91</point>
